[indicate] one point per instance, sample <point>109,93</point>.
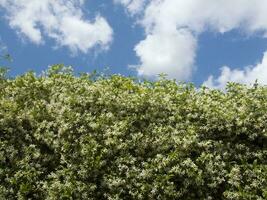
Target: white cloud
<point>61,20</point>
<point>248,75</point>
<point>3,47</point>
<point>200,15</point>
<point>158,54</point>
<point>164,19</point>
<point>132,6</point>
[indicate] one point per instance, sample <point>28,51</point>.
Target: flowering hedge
<point>95,137</point>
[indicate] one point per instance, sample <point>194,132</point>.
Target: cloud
<point>164,20</point>
<point>248,75</point>
<point>61,20</point>
<point>132,6</point>
<point>3,47</point>
<point>158,54</point>
<point>201,15</point>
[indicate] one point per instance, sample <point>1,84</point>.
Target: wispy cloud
<point>3,47</point>
<point>132,6</point>
<point>61,20</point>
<point>248,75</point>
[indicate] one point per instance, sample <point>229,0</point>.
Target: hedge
<point>64,136</point>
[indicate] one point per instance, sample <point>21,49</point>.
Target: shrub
<point>95,137</point>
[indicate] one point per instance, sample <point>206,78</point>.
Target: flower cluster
<point>112,137</point>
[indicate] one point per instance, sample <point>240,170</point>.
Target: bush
<point>95,137</point>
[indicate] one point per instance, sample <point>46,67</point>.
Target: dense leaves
<point>95,137</point>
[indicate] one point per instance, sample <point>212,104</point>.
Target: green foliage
<point>4,70</point>
<point>87,137</point>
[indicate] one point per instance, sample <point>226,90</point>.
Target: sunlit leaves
<point>96,136</point>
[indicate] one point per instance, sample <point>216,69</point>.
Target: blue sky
<point>202,41</point>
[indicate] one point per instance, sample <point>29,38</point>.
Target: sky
<point>206,42</point>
